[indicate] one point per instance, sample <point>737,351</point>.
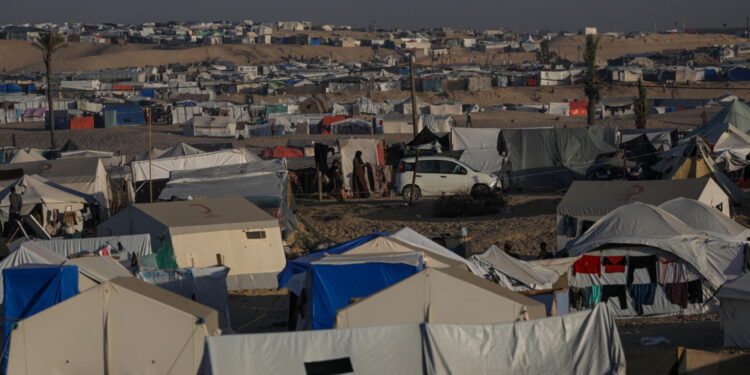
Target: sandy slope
<point>20,56</point>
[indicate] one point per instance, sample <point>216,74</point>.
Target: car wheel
<point>411,192</point>
<point>480,190</point>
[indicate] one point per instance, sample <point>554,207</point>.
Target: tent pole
<point>413,96</point>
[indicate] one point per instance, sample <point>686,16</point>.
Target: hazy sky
<point>528,15</point>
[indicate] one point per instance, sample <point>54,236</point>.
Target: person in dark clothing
<point>509,250</point>
<point>359,176</point>
<point>16,202</point>
<point>468,120</point>
<point>334,177</point>
<point>543,253</point>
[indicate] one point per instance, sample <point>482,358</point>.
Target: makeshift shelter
<point>731,146</point>
<point>180,149</point>
<point>474,138</point>
<point>650,263</point>
<point>736,113</point>
<point>121,326</point>
<point>585,202</point>
<point>84,175</point>
<point>694,160</point>
<point>373,152</point>
<point>552,158</point>
<point>334,280</point>
<point>446,296</point>
<point>352,126</point>
<point>210,126</point>
<point>515,274</point>
<point>705,218</point>
<point>228,231</point>
<point>265,183</point>
<point>440,124</point>
<point>23,156</point>
<point>394,123</point>
<point>590,344</point>
<point>734,298</point>
<point>123,115</point>
<point>159,169</point>
<point>53,203</point>
<point>426,138</point>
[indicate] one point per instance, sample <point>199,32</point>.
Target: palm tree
<point>590,78</point>
<point>49,43</point>
<point>640,107</point>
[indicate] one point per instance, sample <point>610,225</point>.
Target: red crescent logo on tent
<point>637,189</point>
<point>46,166</point>
<point>206,210</point>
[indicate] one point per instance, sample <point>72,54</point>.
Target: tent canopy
<point>448,295</point>
<point>735,113</point>
<point>532,276</point>
<point>705,218</point>
<point>23,156</point>
<point>594,199</point>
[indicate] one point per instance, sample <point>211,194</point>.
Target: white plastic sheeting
<point>735,308</point>
<point>161,168</point>
<point>473,138</point>
<point>487,160</point>
<point>509,269</point>
<point>414,238</point>
<point>579,343</point>
<point>139,244</point>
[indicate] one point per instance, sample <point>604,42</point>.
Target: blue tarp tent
<point>336,280</point>
<point>738,74</point>
<point>31,288</point>
<point>302,264</point>
<point>123,115</point>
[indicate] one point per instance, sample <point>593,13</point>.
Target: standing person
<point>509,250</point>
<point>334,177</point>
<point>468,119</point>
<point>543,253</point>
<point>16,202</point>
<point>359,176</point>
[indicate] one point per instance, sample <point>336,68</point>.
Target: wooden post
<point>319,176</point>
<point>219,259</point>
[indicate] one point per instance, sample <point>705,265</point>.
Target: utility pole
<point>150,158</point>
<point>415,126</point>
<point>414,116</point>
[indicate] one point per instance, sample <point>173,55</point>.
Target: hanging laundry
<point>577,298</point>
<point>677,293</point>
<point>615,264</point>
<point>596,295</point>
<point>642,294</point>
<point>588,264</point>
<point>670,270</point>
<point>695,291</point>
<point>647,262</point>
<point>617,291</point>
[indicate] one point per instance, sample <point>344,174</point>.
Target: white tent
<point>449,295</point>
<point>23,156</point>
<point>230,231</point>
<point>121,326</point>
<point>210,126</point>
<point>36,190</point>
<point>579,343</point>
<point>515,274</point>
<point>413,237</point>
<point>474,138</point>
<point>351,126</point>
<point>86,175</point>
<point>139,244</point>
<point>180,149</point>
<point>640,224</point>
<point>159,169</point>
<point>706,219</point>
<point>349,147</point>
<point>734,299</point>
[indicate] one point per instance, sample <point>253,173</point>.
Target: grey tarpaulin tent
<point>552,158</point>
<point>515,274</point>
<point>587,201</point>
<point>586,342</point>
<point>706,219</point>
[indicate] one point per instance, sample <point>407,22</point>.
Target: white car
<point>438,175</point>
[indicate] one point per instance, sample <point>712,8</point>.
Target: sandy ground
<point>20,56</point>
